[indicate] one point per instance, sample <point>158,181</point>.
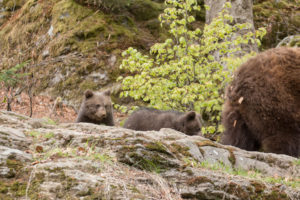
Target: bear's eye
<point>98,106</point>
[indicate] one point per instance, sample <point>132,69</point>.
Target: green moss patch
<point>230,150</point>
<point>74,26</point>
<point>145,9</point>
<point>147,160</point>
<point>281,19</point>
<point>12,5</point>
<point>16,188</point>
<point>157,146</point>
<point>275,195</point>
<point>15,166</point>
<point>259,186</point>
<point>180,150</point>
<point>236,189</point>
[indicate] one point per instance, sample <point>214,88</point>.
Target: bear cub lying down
<point>147,119</point>
<point>96,108</point>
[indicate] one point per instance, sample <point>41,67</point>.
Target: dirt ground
<point>43,107</point>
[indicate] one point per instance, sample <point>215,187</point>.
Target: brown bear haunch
<point>262,107</point>
<point>96,108</point>
<point>147,119</point>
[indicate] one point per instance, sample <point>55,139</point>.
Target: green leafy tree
<point>9,79</point>
<point>182,72</point>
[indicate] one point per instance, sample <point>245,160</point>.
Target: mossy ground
<point>90,34</point>
<point>281,19</point>
<point>15,186</point>
<point>92,31</point>
<point>12,4</point>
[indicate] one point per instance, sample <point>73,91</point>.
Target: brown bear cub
<point>147,119</point>
<point>96,108</point>
<point>262,107</point>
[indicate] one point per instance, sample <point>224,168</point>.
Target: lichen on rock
<point>81,160</point>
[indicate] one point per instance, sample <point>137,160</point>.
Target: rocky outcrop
<point>79,43</point>
<point>39,160</point>
<point>292,41</point>
<point>281,18</point>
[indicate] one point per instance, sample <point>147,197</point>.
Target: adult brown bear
<point>262,106</point>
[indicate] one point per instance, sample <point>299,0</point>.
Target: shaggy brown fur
<point>262,109</point>
<point>147,119</point>
<point>96,108</point>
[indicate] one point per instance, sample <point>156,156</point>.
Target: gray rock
<point>292,41</point>
<point>88,161</point>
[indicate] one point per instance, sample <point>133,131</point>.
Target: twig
<point>57,104</point>
<point>29,181</point>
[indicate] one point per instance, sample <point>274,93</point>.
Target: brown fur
<point>147,119</point>
<point>96,108</point>
<point>262,107</point>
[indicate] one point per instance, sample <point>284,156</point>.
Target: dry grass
<point>133,183</point>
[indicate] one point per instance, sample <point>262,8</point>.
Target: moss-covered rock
<point>281,19</point>
<point>72,39</point>
<point>145,9</point>
<point>88,161</point>
<point>292,41</point>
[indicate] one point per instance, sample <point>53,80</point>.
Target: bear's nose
<point>102,111</point>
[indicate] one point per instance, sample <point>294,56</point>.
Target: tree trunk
<point>8,107</point>
<point>242,12</point>
<point>9,99</point>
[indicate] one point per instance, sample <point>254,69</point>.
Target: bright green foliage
<point>10,77</point>
<point>182,73</point>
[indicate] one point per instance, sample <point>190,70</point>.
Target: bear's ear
<point>190,115</point>
<point>88,94</point>
<point>107,92</point>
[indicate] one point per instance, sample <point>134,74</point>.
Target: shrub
<point>183,73</point>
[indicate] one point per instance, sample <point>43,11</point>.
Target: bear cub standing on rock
<point>262,107</point>
<point>148,119</point>
<point>96,108</point>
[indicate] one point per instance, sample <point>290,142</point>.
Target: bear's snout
<point>101,113</point>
